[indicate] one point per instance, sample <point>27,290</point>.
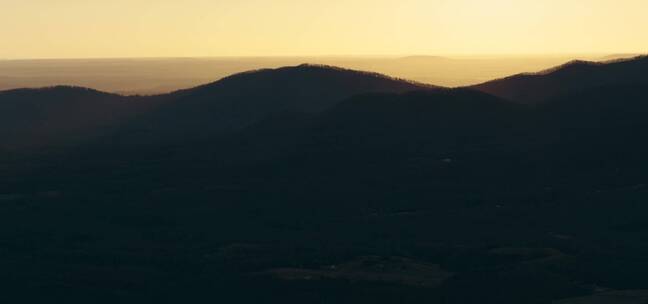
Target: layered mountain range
<point>315,184</point>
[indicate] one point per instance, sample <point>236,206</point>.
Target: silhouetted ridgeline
<point>243,99</point>
<point>577,75</point>
<point>42,117</point>
<point>223,106</point>
<point>240,100</point>
<point>312,184</point>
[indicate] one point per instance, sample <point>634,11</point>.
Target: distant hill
<point>241,100</point>
<point>576,75</point>
<point>40,117</point>
<point>435,117</point>
<point>387,126</point>
<point>606,122</point>
<point>307,88</point>
<point>392,131</point>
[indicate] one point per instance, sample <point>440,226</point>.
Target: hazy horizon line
<point>396,56</point>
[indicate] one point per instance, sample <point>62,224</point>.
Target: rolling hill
<point>43,116</point>
<point>238,101</point>
<point>56,115</point>
<point>540,87</point>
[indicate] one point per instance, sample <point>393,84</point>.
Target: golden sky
<point>170,28</point>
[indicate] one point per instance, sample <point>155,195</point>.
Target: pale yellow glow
<point>159,28</point>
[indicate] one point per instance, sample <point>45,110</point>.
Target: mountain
<point>55,115</point>
<point>40,117</point>
<point>600,127</point>
<point>238,101</point>
<point>304,88</point>
<point>601,107</point>
<point>426,119</point>
<point>540,87</point>
<point>429,121</point>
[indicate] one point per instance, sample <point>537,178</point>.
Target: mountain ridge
<point>208,110</point>
<point>536,88</point>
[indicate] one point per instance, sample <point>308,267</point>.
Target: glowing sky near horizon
<point>163,28</point>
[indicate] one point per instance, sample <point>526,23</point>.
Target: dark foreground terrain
<point>320,185</point>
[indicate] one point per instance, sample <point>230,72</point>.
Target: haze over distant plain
<point>160,75</point>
